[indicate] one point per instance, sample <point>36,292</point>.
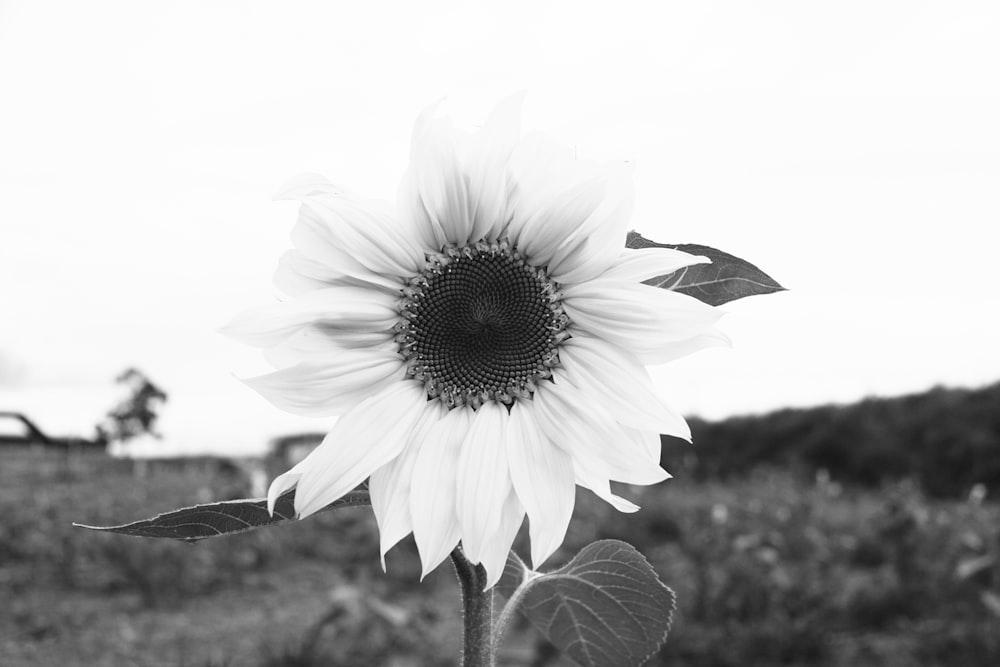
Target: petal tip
<point>301,186</point>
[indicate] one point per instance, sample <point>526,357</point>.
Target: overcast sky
<point>849,149</point>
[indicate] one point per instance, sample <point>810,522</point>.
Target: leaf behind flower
<point>726,279</point>
<point>199,522</point>
<point>607,606</point>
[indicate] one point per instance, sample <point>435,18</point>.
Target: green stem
<point>477,604</point>
<point>500,627</point>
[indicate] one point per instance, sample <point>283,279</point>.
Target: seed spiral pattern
<point>480,324</point>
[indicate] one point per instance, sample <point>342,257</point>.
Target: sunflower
<point>484,342</point>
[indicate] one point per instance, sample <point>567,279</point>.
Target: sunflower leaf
<point>191,524</point>
<point>726,279</point>
<point>607,606</point>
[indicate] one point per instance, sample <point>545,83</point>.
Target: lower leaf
<point>607,606</point>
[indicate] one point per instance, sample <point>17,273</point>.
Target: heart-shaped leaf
<point>726,279</point>
<point>607,606</point>
<point>191,524</point>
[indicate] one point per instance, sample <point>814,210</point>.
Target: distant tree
<point>136,414</point>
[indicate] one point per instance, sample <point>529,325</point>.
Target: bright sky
<point>849,149</point>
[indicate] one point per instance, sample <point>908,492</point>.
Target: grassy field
<point>769,569</point>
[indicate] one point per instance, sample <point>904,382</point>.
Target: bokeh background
<point>837,507</point>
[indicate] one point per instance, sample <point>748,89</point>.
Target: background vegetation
<point>947,440</point>
<point>784,548</point>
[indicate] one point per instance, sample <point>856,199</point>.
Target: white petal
<point>571,215</point>
<point>497,548</point>
<point>332,386</point>
<point>312,237</point>
<point>333,309</point>
<point>363,440</point>
<point>623,383</point>
<point>366,228</point>
<point>455,189</point>
<point>582,427</point>
<point>650,442</point>
<point>542,169</point>
<point>487,157</point>
<point>433,489</point>
<point>712,337</point>
<point>596,243</point>
<point>432,192</point>
<point>637,265</point>
<point>306,185</point>
<point>541,227</point>
<point>590,478</point>
<point>638,318</point>
<point>390,485</point>
<point>282,483</point>
<point>297,274</point>
<point>542,475</point>
<point>314,345</point>
<point>483,480</point>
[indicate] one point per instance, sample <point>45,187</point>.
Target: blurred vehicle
<point>17,430</point>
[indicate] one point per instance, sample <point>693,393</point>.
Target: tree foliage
<point>137,413</point>
<point>948,439</point>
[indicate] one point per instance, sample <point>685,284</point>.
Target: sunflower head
<point>483,342</point>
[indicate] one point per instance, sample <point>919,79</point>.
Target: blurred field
<point>769,569</point>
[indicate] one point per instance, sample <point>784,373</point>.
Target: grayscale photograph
<point>499,334</point>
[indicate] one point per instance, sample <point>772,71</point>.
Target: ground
<point>769,569</point>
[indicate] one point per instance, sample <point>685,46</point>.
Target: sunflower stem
<point>477,606</point>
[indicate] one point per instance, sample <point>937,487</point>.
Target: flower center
<point>480,324</point>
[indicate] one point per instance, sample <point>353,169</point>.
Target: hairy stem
<point>477,605</point>
<point>500,627</point>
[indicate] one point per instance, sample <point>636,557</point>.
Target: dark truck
<point>16,430</point>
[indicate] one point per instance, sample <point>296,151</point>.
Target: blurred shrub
<point>769,569</point>
<point>37,533</point>
<point>948,439</point>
